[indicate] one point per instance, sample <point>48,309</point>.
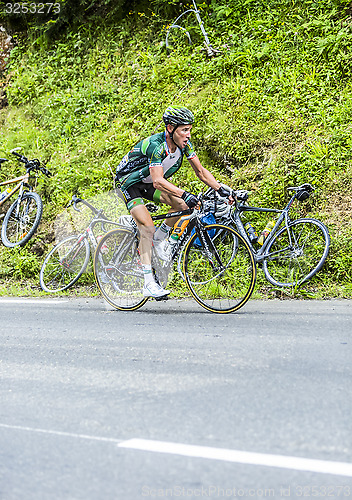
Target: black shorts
<point>134,195</point>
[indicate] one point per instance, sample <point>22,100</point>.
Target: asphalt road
<point>174,402</point>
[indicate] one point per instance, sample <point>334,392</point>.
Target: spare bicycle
<point>217,264</point>
<point>68,259</point>
<point>293,251</point>
<point>23,217</point>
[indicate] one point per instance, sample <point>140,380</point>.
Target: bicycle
<point>217,266</point>
<point>291,254</point>
<point>68,259</point>
<point>24,215</point>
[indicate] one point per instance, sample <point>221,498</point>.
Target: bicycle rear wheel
<point>296,253</point>
<point>221,277</point>
<point>21,220</point>
<point>64,264</point>
<point>118,271</point>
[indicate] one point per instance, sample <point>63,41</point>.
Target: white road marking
<point>227,455</point>
<point>61,433</point>
<point>242,457</point>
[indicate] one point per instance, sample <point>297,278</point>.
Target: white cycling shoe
<point>162,248</point>
<point>152,289</point>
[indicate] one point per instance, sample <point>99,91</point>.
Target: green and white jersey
<point>148,153</point>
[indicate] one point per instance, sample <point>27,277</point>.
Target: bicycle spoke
<point>22,220</point>
<point>65,264</point>
<point>221,277</point>
<point>296,253</point>
<point>118,270</point>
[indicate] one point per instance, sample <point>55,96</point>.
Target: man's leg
<point>146,230</point>
<point>176,204</point>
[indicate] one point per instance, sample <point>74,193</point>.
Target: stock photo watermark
<point>32,8</point>
<point>212,491</point>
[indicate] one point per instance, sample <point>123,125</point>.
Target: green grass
<point>272,110</point>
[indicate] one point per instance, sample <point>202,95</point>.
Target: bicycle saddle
<point>303,191</point>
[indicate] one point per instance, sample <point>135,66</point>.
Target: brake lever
<point>75,199</point>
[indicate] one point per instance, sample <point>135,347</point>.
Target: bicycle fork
<point>209,249</point>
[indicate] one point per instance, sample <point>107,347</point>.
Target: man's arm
<point>207,177</point>
<point>203,174</point>
<point>159,182</point>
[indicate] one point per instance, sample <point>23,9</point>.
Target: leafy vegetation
<point>273,109</point>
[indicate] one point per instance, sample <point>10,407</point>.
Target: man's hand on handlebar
<point>226,192</point>
<point>190,199</point>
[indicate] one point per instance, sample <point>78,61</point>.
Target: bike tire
<point>291,264</point>
<point>18,230</point>
<point>118,271</point>
<point>64,264</point>
<point>225,287</point>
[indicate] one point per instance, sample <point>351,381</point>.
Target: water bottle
<point>5,193</point>
<point>252,233</point>
<point>178,229</point>
<point>264,234</point>
<point>173,239</point>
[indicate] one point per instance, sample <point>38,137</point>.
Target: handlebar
<point>31,164</point>
<point>73,201</point>
<point>76,199</point>
<point>302,192</point>
<point>238,195</point>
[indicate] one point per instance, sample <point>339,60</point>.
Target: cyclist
<point>144,173</point>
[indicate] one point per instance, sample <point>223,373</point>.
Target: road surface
<point>174,402</point>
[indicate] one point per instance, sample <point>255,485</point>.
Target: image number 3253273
<point>32,8</point>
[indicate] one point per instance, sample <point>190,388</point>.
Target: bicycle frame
<point>194,224</point>
<point>89,234</point>
<point>260,254</point>
<point>69,258</point>
<point>21,181</point>
<point>181,240</point>
<point>98,218</point>
<point>163,267</point>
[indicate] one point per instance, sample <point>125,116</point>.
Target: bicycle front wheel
<point>64,264</point>
<point>221,272</point>
<point>21,220</point>
<point>296,253</point>
<point>118,271</point>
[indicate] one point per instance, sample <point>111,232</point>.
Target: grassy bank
<point>273,110</point>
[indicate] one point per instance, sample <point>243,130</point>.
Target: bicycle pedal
<point>164,297</point>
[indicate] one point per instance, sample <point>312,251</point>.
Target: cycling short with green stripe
<point>134,195</point>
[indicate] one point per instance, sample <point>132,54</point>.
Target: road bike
<point>217,266</point>
<point>24,215</point>
<point>293,251</point>
<point>68,259</point>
